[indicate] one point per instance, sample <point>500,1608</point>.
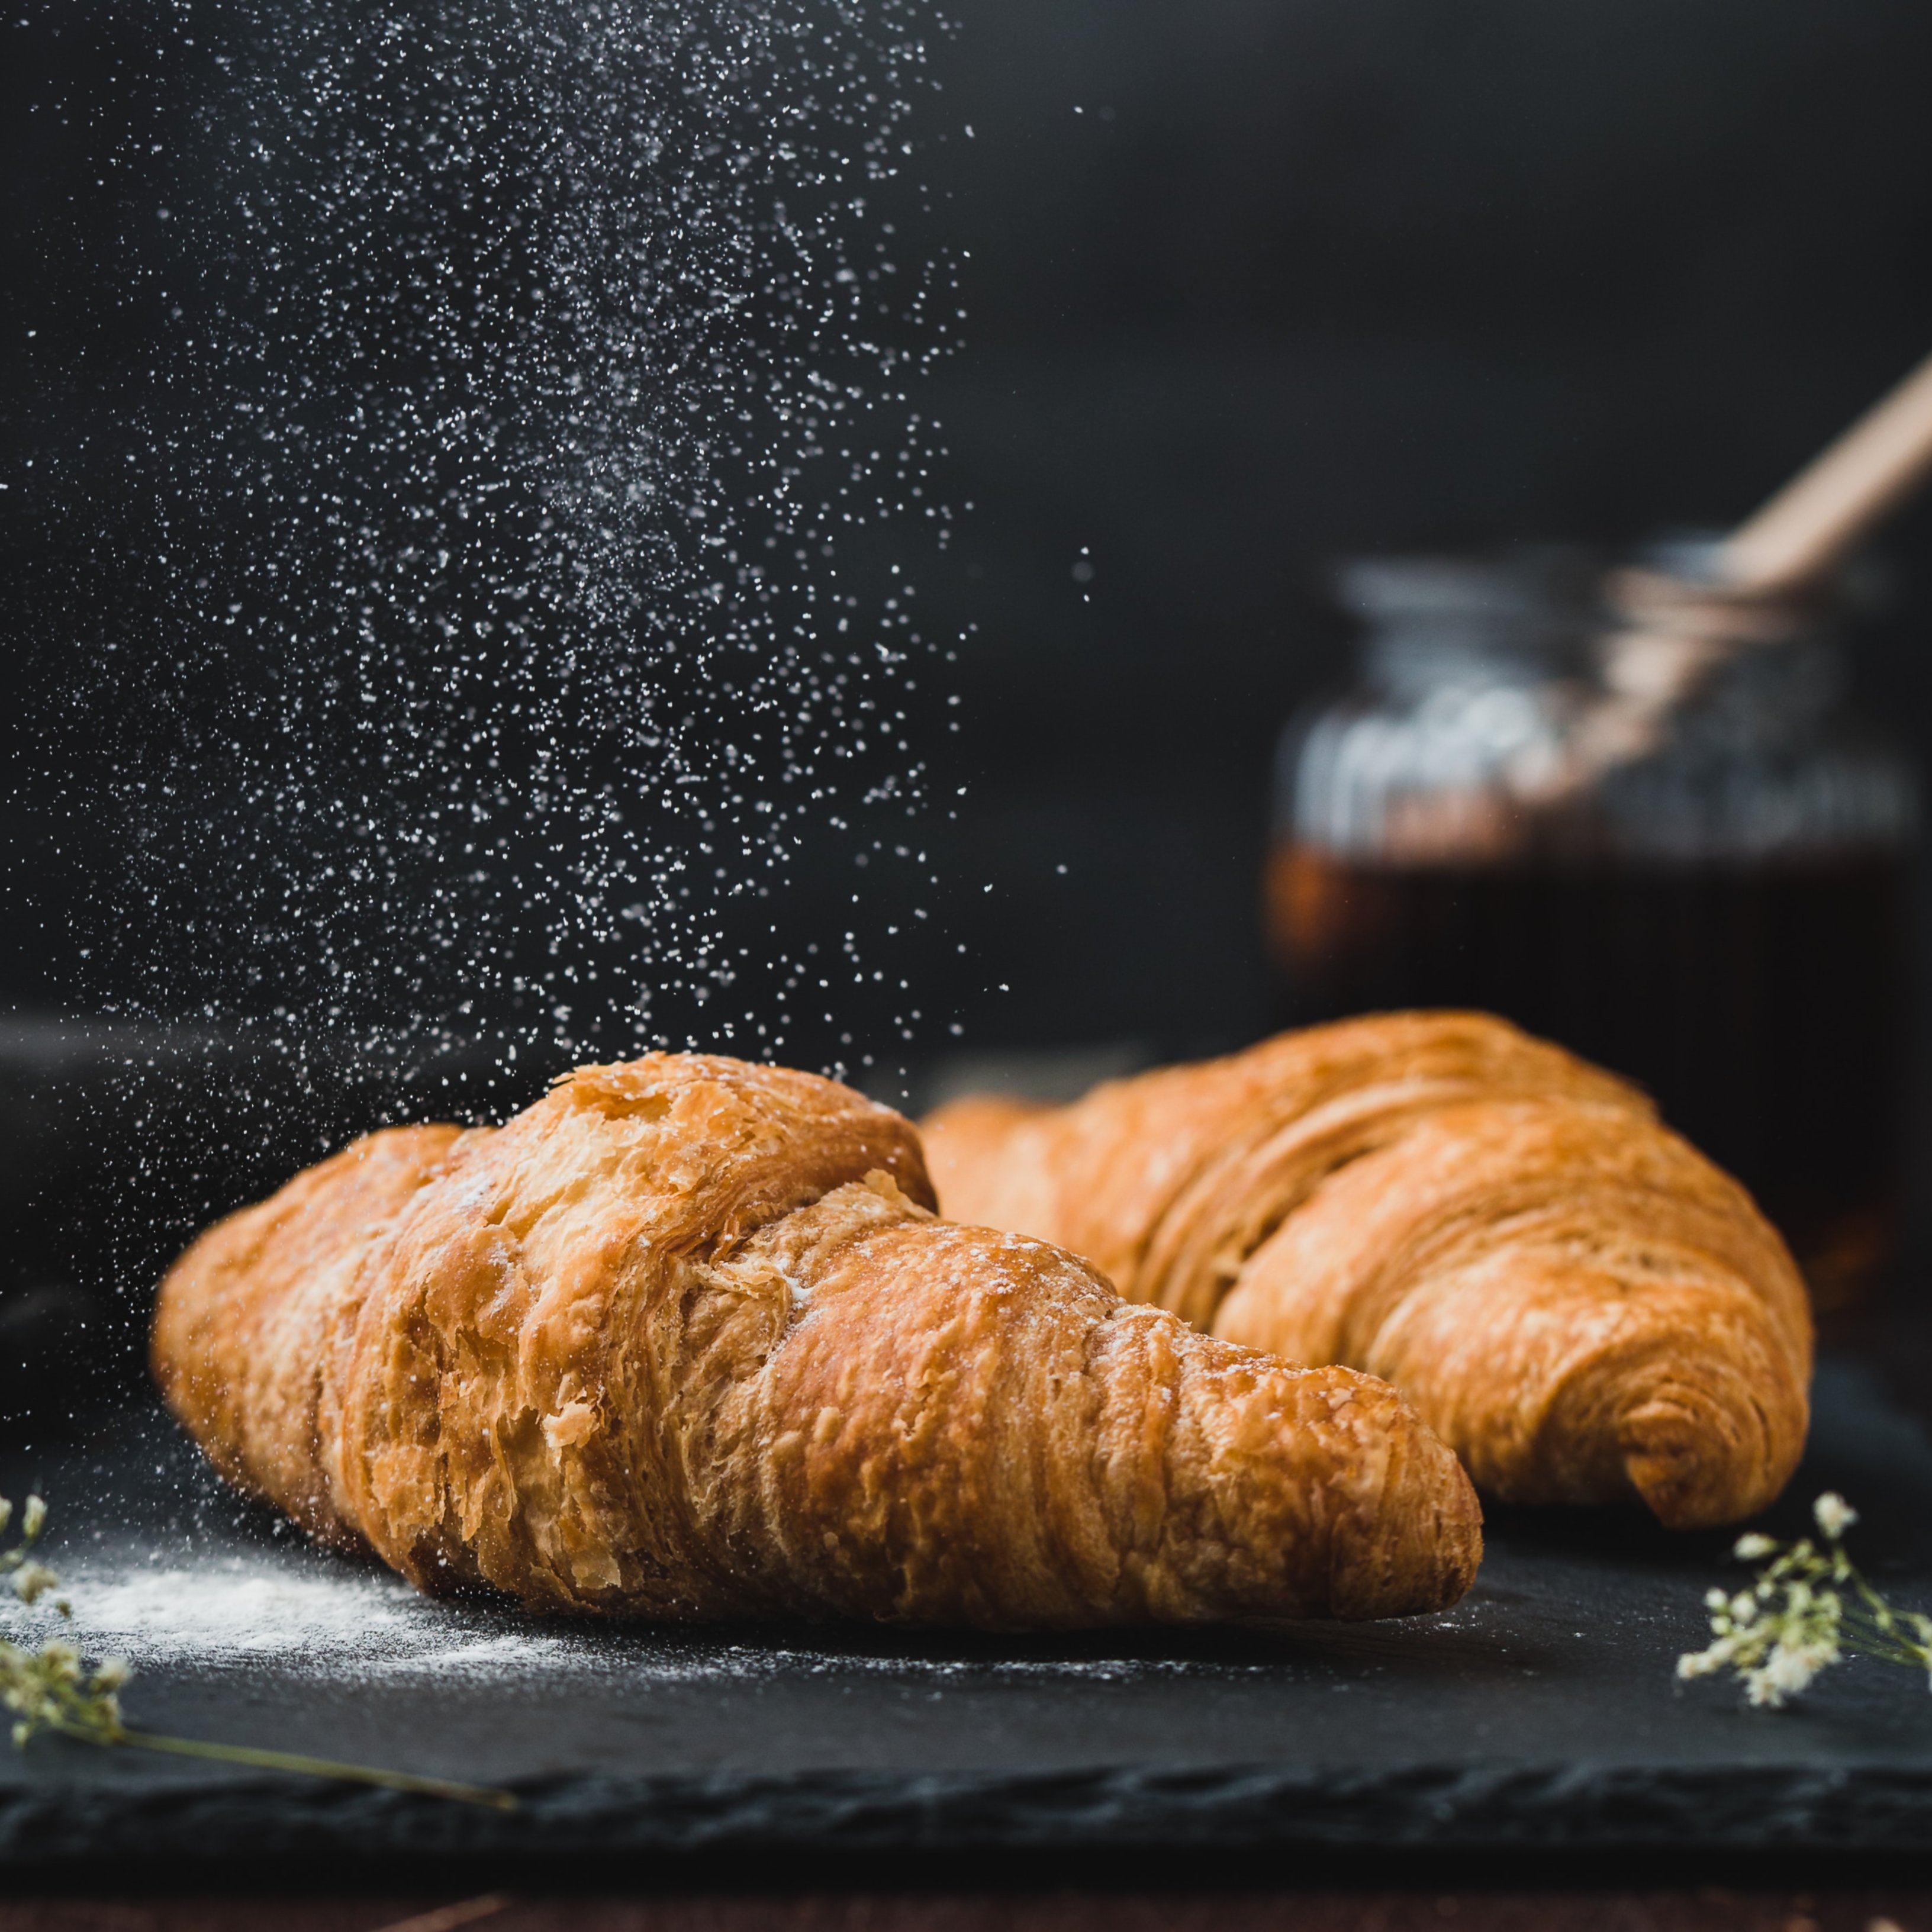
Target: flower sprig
<point>48,1690</point>
<point>32,1580</point>
<point>1806,1609</point>
<point>51,1689</point>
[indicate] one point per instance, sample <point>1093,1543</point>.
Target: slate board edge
<point>1573,1806</point>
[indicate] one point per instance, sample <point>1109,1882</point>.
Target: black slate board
<point>1541,1715</point>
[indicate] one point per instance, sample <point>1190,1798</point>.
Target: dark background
<point>1249,286</point>
<point>1307,279</point>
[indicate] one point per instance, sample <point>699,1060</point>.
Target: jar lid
<point>1529,586</point>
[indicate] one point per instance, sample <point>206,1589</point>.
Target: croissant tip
<point>1432,1547</point>
<point>1699,1461</point>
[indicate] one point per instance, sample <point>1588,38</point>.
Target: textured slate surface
<point>1540,1713</point>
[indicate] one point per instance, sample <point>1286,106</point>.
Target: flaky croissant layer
<point>685,1338</point>
<point>1581,1304</point>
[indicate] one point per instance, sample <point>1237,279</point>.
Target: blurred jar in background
<point>1660,837</point>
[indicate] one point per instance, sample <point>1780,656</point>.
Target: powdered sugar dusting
<point>300,1609</point>
<point>312,1615</point>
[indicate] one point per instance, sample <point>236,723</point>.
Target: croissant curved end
<point>1702,1446</point>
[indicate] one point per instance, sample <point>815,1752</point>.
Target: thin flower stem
<point>1876,1605</point>
<point>306,1766</point>
<point>1892,1652</point>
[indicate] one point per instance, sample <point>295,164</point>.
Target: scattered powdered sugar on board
<point>300,1610</point>
<point>311,1615</point>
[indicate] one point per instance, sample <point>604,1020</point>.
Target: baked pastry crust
<point>685,1338</point>
<point>1579,1302</point>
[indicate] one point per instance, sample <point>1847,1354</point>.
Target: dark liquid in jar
<point>1761,1006</point>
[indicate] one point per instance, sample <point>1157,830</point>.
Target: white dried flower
<point>1807,1608</point>
<point>49,1689</point>
<point>6,1514</point>
<point>32,1581</point>
<point>1789,1670</point>
<point>1834,1515</point>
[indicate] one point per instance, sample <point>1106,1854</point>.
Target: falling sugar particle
<point>521,644</point>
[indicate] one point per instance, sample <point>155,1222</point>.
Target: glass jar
<point>1656,833</point>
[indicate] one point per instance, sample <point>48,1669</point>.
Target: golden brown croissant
<point>684,1339</point>
<point>1580,1303</point>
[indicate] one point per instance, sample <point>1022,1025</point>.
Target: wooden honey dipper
<point>1838,499</point>
<point>1749,588</point>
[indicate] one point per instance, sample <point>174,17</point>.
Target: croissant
<point>1579,1302</point>
<point>684,1339</point>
